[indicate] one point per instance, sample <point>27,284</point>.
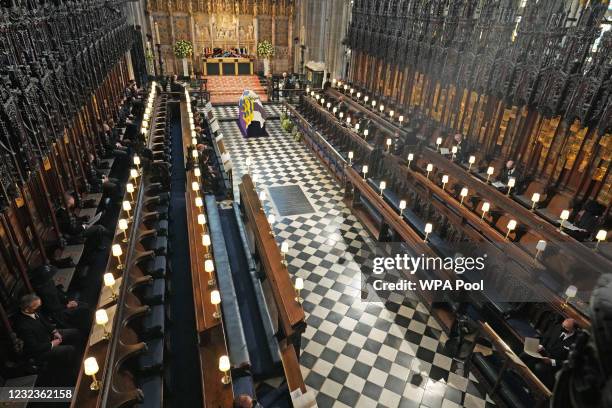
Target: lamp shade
<point>486,206</point>
<point>454,150</point>
<point>285,247</point>
<point>129,187</point>
<point>262,195</point>
<point>201,219</point>
<point>445,179</point>
<point>366,132</point>
<point>428,228</point>
<point>126,206</point>
<point>571,291</point>
<point>91,366</point>
<point>429,167</point>
<point>439,141</point>
<point>195,186</point>
<point>464,192</point>
<point>511,225</point>
<point>364,169</point>
<point>133,173</point>
<point>472,159</point>
<point>123,224</point>
<point>402,205</point>
<point>194,141</point>
<point>197,172</point>
<point>206,241</point>
<point>101,317</point>
<point>215,297</point>
<point>299,283</point>
<point>401,118</point>
<point>271,219</point>
<point>410,156</point>
<point>198,202</point>
<point>209,266</point>
<point>383,185</point>
<point>564,215</point>
<point>136,160</point>
<point>541,245</point>
<point>224,364</point>
<point>511,182</point>
<point>194,153</point>
<point>117,251</point>
<point>601,235</point>
<point>490,170</point>
<point>535,197</point>
<point>109,279</point>
<point>350,155</point>
<point>389,141</point>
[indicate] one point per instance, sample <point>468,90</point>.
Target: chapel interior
<point>306,203</point>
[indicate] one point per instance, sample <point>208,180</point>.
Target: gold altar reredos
<point>224,24</point>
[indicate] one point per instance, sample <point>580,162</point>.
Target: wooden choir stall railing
<point>291,314</point>
<point>533,227</point>
<point>209,323</point>
<point>106,377</point>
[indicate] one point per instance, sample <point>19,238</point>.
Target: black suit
<point>506,173</point>
<point>556,346</point>
<point>54,303</point>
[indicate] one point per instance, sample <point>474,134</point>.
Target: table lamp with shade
<point>564,217</point>
<point>486,206</point>
<point>444,181</point>
<point>428,230</point>
<point>299,285</point>
<point>224,367</point>
<point>209,268</point>
<point>402,207</point>
<point>601,236</point>
<point>540,247</point>
<point>511,184</point>
<point>284,252</point>
<point>511,227</point>
<point>202,221</point>
<point>471,162</point>
<point>109,282</point>
<point>117,252</point>
<point>463,194</point>
<point>570,293</point>
<point>429,169</point>
<point>101,320</point>
<point>215,300</point>
<point>123,226</point>
<point>91,369</point>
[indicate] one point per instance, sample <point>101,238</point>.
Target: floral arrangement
<point>265,49</point>
<point>183,49</point>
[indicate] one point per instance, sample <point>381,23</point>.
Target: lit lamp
<point>534,199</point>
<point>540,246</point>
<point>350,157</point>
<point>109,282</point>
<point>490,172</point>
<point>389,141</point>
<point>195,186</point>
<point>373,104</point>
<point>348,120</point>
<point>485,209</point>
<point>365,171</point>
<point>134,174</point>
<point>197,172</point>
<point>256,179</point>
<point>308,88</point>
<point>471,161</point>
<point>564,216</point>
<point>463,194</point>
<point>429,169</point>
<point>136,160</point>
<point>209,267</point>
<point>91,369</point>
<point>401,119</point>
<point>328,105</point>
<point>322,101</point>
<point>335,110</point>
<point>570,293</point>
<point>284,251</point>
<point>454,152</point>
<point>410,159</point>
<point>601,236</point>
<point>202,221</point>
<point>357,127</point>
<point>428,229</point>
<point>358,95</point>
<point>352,90</point>
<point>438,143</point>
<point>511,183</point>
<point>194,141</point>
<point>224,367</point>
<point>194,154</point>
<point>299,285</point>
<point>341,115</point>
<point>206,243</point>
<point>129,187</point>
<point>381,108</point>
<point>366,132</point>
<point>391,113</point>
<point>215,299</point>
<point>402,207</point>
<point>117,252</point>
<point>271,221</point>
<point>262,196</point>
<point>382,186</point>
<point>101,320</point>
<point>366,98</point>
<point>511,227</point>
<point>123,226</point>
<point>199,203</point>
<point>444,181</point>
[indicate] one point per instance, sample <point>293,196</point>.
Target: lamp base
<point>211,283</point>
<point>299,300</point>
<point>95,385</point>
<point>217,315</point>
<point>226,379</point>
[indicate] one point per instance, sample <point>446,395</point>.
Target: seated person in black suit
<point>74,228</point>
<point>463,148</point>
<point>60,308</point>
<point>42,341</point>
<point>509,171</point>
<point>99,182</point>
<point>555,346</point>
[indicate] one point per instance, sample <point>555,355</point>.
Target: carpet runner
<point>228,89</point>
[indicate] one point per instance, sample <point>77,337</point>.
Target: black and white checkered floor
<point>354,353</point>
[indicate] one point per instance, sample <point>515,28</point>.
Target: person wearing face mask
<point>555,345</point>
<point>42,341</point>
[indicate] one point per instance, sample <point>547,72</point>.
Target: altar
<point>228,66</point>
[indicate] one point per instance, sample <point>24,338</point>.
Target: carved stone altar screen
<point>224,24</point>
